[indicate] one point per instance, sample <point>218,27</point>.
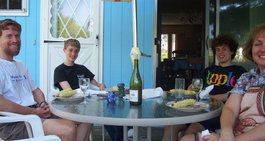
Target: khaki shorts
<point>17,130</point>
<point>11,131</point>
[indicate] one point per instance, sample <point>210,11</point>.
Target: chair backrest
<point>53,90</point>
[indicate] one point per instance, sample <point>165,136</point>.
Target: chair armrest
<point>33,120</point>
<point>44,138</point>
<point>8,113</point>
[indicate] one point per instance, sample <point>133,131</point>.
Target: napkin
<point>92,92</point>
<point>152,93</point>
<point>205,132</point>
<point>205,93</point>
<point>149,93</point>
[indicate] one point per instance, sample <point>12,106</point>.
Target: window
<point>14,7</point>
<point>164,46</point>
<point>71,18</point>
<point>238,17</point>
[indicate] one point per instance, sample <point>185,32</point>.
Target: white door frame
<point>155,64</point>
<point>44,50</point>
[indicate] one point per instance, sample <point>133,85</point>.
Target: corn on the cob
<point>65,93</point>
<point>184,103</point>
<point>187,92</point>
<point>114,88</point>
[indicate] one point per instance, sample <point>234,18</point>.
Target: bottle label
<point>134,95</point>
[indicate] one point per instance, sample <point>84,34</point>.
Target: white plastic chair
<point>33,125</point>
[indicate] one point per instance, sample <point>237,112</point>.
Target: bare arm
<point>9,106</point>
<point>100,85</point>
<point>43,109</point>
<point>190,87</point>
<point>65,85</point>
<point>229,117</point>
<point>222,97</point>
<point>38,95</point>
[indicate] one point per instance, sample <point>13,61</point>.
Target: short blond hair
<point>72,42</point>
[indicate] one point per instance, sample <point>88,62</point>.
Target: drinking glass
<point>179,88</point>
<point>197,84</point>
<point>84,85</point>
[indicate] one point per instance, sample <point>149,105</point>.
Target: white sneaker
<point>130,133</point>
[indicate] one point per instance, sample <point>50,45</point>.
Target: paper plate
<point>197,107</point>
<point>76,97</point>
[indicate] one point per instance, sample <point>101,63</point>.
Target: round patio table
<point>152,112</point>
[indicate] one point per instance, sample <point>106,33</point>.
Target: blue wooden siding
<point>117,43</point>
<point>30,37</point>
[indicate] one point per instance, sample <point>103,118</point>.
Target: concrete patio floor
<point>157,134</point>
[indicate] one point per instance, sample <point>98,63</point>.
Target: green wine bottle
<point>136,87</point>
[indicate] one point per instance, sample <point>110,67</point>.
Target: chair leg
<point>125,133</point>
<point>149,134</point>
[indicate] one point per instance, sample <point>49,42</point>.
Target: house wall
<point>30,38</point>
<point>118,41</point>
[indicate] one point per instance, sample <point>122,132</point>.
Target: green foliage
<point>164,54</point>
<point>68,27</point>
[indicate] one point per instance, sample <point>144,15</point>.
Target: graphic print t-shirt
<point>223,78</point>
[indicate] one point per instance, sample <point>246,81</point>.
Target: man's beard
<point>12,52</point>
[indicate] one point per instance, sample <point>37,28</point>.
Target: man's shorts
<point>11,131</point>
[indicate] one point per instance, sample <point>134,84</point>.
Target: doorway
<point>180,40</point>
<point>64,19</point>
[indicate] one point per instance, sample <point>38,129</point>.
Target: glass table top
<point>151,109</point>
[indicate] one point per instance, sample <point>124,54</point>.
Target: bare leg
<point>189,137</point>
<point>170,132</point>
<point>65,129</point>
<point>83,131</point>
<point>194,128</point>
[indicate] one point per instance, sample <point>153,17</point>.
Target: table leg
<point>171,133</point>
<point>103,133</point>
<point>149,135</point>
<point>125,133</point>
<point>135,133</point>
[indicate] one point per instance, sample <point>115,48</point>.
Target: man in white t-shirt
<point>19,93</point>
